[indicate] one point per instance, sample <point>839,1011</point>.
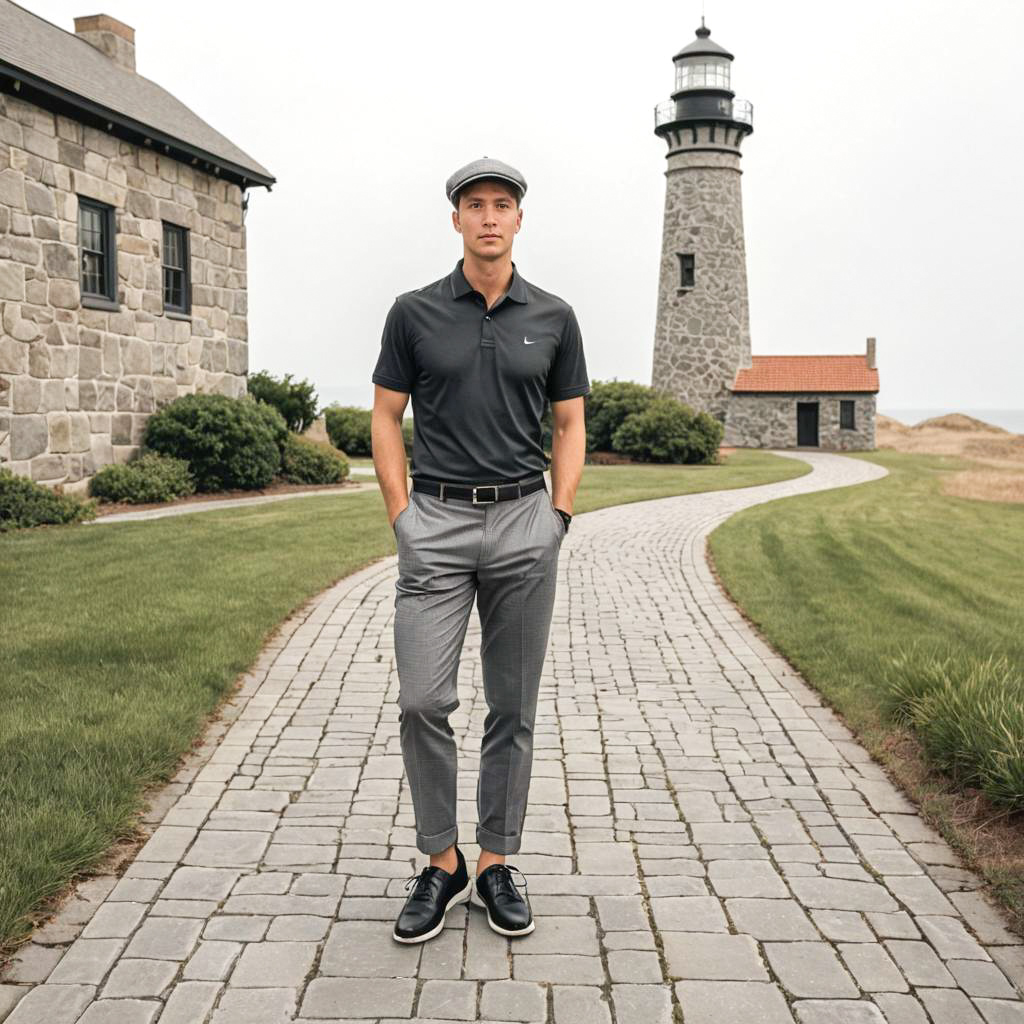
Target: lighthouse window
<point>846,407</point>
<point>685,269</point>
<point>704,75</point>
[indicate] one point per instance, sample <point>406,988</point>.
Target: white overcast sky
<point>881,185</point>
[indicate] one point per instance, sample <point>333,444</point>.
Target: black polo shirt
<point>480,379</point>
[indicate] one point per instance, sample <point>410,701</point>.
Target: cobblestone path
<point>703,838</point>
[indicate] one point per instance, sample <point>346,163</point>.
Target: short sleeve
<point>395,367</point>
<point>567,377</point>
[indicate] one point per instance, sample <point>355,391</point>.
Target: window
<point>685,269</point>
<point>708,73</point>
<point>177,287</point>
<point>846,407</point>
<point>96,229</point>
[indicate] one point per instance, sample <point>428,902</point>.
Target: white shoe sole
<point>460,897</point>
<point>475,901</point>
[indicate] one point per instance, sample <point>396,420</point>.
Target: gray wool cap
<point>487,167</point>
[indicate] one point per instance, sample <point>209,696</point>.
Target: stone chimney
<point>871,354</point>
<point>113,38</point>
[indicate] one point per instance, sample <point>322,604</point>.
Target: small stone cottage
<point>122,249</point>
<point>805,401</point>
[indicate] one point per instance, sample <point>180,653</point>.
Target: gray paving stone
<point>448,1000</point>
<point>919,963</point>
<point>140,978</point>
<point>635,967</point>
<point>52,1004</point>
<point>837,1011</point>
<point>200,884</point>
<point>255,1006</point>
<point>810,969</point>
<point>561,935</point>
<point>948,1006</point>
<point>689,914</point>
<point>273,965</point>
<point>841,894</point>
<point>114,921</point>
<point>706,956</point>
<point>872,967</point>
<point>1001,1011</point>
<point>642,1004</point>
<point>556,968</point>
<point>212,961</point>
<point>978,978</point>
<point>227,849</point>
<point>580,1004</point>
<point>750,1002</point>
<point>950,938</point>
<point>900,1009</point>
<point>746,878</point>
<point>165,938</point>
<point>365,949</point>
<point>122,1011</point>
<point>189,1002</point>
<point>337,998</point>
<point>86,961</point>
<point>770,919</point>
<point>513,1001</point>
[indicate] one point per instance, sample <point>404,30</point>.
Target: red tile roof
<point>807,373</point>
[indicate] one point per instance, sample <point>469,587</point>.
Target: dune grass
<point>867,590</point>
<point>120,639</point>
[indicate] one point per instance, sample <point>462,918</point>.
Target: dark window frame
<point>106,298</point>
<point>847,414</point>
<point>185,309</point>
<point>687,270</point>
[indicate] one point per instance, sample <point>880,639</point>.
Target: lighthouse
<point>702,337</point>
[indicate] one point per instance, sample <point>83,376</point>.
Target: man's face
<point>488,218</point>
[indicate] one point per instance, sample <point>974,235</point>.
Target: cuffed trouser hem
<point>437,843</point>
<point>494,843</point>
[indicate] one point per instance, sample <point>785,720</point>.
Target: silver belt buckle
<point>494,487</point>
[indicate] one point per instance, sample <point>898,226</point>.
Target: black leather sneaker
<point>434,893</point>
<point>508,910</point>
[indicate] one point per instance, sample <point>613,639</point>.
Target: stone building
<point>122,249</point>
<point>702,351</point>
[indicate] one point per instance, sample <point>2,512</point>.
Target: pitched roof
<point>807,373</point>
<point>60,66</point>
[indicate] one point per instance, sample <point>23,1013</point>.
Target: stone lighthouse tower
<point>703,331</point>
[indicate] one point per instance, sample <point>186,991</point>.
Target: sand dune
<point>998,454</point>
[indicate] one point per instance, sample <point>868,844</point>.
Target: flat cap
<point>487,167</point>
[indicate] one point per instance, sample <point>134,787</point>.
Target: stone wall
<point>703,334</point>
<point>77,384</point>
<point>768,420</point>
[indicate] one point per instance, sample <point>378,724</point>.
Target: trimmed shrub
<point>669,431</point>
<point>312,462</point>
<point>24,503</point>
<point>348,427</point>
<point>967,712</point>
<point>608,404</point>
<point>150,477</point>
<point>228,442</point>
<point>296,401</point>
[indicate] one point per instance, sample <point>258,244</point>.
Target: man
<point>481,351</point>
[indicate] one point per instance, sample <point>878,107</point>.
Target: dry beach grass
<point>998,454</point>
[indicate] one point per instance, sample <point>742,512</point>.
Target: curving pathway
<point>703,833</point>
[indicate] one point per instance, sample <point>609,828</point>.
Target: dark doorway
<point>807,424</point>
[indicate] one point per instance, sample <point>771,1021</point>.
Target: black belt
<point>479,494</point>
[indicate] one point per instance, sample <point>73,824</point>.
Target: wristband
<point>566,518</point>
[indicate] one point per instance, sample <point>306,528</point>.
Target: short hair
<point>513,190</point>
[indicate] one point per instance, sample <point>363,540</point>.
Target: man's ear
<point>455,221</point>
<point>519,219</point>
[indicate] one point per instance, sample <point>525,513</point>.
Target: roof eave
<point>65,101</point>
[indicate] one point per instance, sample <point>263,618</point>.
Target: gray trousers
<point>505,554</point>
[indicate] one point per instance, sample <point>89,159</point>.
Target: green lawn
<point>120,639</point>
<point>839,581</point>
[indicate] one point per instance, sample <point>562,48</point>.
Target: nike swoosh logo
<point>525,342</point>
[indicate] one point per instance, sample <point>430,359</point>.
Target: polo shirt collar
<point>460,286</point>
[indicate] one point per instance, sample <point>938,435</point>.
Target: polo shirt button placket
<point>487,331</point>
